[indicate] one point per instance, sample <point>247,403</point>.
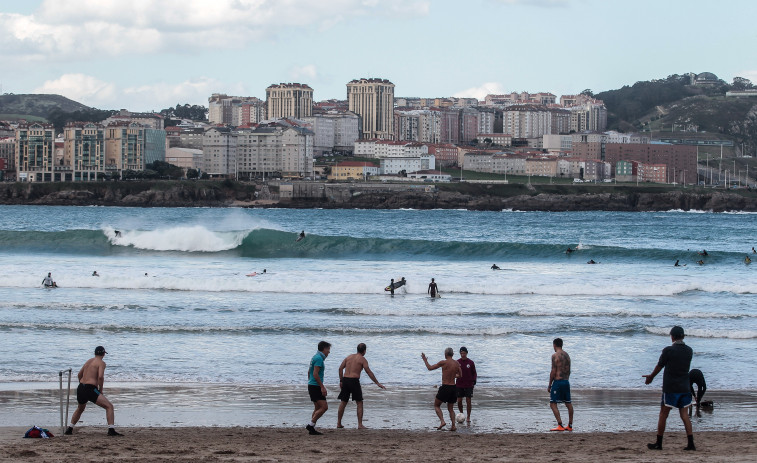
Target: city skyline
<point>148,55</point>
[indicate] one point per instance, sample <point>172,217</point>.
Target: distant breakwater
<point>554,198</point>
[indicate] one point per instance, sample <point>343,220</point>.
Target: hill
<point>37,105</point>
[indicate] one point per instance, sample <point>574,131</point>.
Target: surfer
<point>747,260</point>
<point>753,251</point>
<point>569,250</point>
<point>703,253</point>
<point>301,236</point>
<point>391,286</point>
<point>700,262</point>
<point>676,264</point>
<point>432,289</point>
<point>48,281</point>
<point>591,262</point>
<point>118,233</point>
<point>495,267</point>
<point>95,274</point>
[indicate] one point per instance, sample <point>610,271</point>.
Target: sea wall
<point>375,196</point>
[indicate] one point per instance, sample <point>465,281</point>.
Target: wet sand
<point>278,444</point>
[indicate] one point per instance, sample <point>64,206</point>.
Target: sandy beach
<point>278,444</point>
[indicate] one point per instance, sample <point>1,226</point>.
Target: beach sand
<point>90,444</point>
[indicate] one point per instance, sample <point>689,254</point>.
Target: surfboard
<point>252,274</point>
<point>396,284</point>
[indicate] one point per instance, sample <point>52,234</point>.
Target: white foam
<point>191,238</point>
<point>706,333</point>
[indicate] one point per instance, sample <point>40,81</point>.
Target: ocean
<point>176,311</point>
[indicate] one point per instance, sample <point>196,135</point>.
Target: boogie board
<point>396,285</point>
<point>252,274</point>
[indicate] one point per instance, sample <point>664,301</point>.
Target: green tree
<point>193,173</point>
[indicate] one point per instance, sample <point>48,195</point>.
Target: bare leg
<point>460,404</point>
<point>553,406</point>
<point>664,412</point>
<point>686,421</point>
<point>103,402</point>
<point>360,415</point>
<point>77,414</point>
<point>438,410</point>
<point>340,414</point>
<point>468,403</point>
<point>320,408</point>
<point>570,414</point>
<point>451,408</point>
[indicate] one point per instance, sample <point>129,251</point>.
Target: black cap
<point>464,349</point>
<point>677,332</point>
<point>100,350</point>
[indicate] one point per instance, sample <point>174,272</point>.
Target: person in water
<point>95,274</point>
<point>391,286</point>
<point>432,288</point>
<point>747,260</point>
<point>676,264</point>
<point>697,377</point>
<point>569,250</point>
<point>753,250</point>
<point>703,253</point>
<point>48,281</point>
<point>495,267</point>
<point>591,262</point>
<point>118,233</point>
<point>302,234</point>
<point>700,262</point>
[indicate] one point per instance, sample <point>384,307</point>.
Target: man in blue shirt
<point>316,388</point>
<point>676,360</point>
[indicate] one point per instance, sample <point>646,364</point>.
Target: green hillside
<point>38,105</point>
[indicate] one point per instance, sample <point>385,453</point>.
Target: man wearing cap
<point>466,381</point>
<point>676,360</point>
<point>91,379</point>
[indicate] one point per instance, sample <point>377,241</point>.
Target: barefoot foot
<point>441,425</point>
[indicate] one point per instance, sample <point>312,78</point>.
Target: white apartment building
<point>186,158</point>
<point>395,165</point>
<point>373,100</point>
<point>510,165</point>
<point>555,143</point>
<point>324,129</point>
<point>527,121</point>
<point>418,125</point>
<point>219,148</point>
<point>275,148</point>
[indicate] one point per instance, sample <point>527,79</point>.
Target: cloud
<point>91,91</point>
<point>80,87</point>
<point>84,28</point>
<point>481,91</point>
<point>307,72</point>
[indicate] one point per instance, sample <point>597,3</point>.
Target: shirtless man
<point>349,382</point>
<point>91,379</point>
<point>559,386</point>
<point>447,391</point>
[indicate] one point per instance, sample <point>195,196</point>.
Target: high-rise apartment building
<point>124,146</point>
<point>274,148</point>
<point>289,100</point>
<point>84,150</point>
<point>219,147</point>
<point>35,153</point>
<point>373,101</point>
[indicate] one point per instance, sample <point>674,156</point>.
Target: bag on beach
<point>38,432</point>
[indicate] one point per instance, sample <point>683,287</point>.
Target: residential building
<point>449,131</point>
<point>219,148</point>
<point>498,139</point>
<point>557,143</point>
<point>541,166</point>
<point>275,148</point>
<point>84,151</point>
<point>681,160</point>
<point>627,171</point>
<point>186,158</point>
<point>541,98</point>
<point>395,165</point>
<point>35,153</point>
<point>445,154</point>
<point>509,164</point>
<point>155,145</point>
<point>248,110</point>
<point>289,100</point>
<point>527,121</point>
<point>124,146</point>
<point>185,137</point>
<point>373,101</point>
<point>353,170</point>
<point>591,116</point>
<point>479,161</point>
<point>150,120</point>
<point>8,152</point>
<point>421,125</point>
<point>324,129</point>
<point>654,173</point>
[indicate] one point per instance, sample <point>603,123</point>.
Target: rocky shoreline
<point>360,196</point>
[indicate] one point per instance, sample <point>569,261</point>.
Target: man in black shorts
<point>466,381</point>
<point>91,379</point>
<point>349,382</point>
<point>447,391</point>
<point>316,388</point>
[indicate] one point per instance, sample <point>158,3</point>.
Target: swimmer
<point>495,267</point>
<point>747,260</point>
<point>700,262</point>
<point>95,274</point>
<point>591,262</point>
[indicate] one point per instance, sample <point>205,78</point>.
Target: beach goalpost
<point>63,420</point>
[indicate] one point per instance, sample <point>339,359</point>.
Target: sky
<point>146,55</point>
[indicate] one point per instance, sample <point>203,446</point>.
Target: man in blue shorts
<point>316,388</point>
<point>676,360</point>
<point>559,386</point>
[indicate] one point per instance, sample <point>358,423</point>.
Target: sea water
<point>174,304</point>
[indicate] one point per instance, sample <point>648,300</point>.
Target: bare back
<point>561,365</point>
<point>93,372</point>
<point>353,365</point>
<point>450,371</point>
